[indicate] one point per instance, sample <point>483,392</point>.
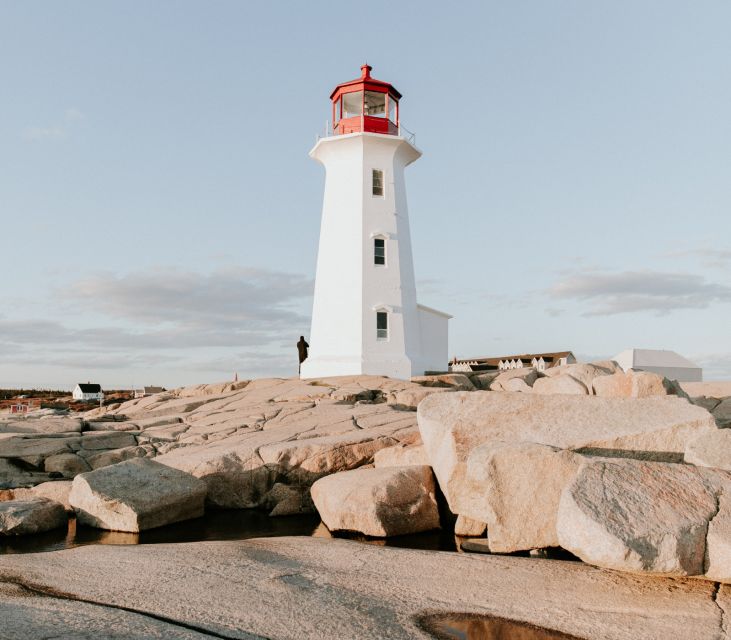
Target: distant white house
<point>88,392</point>
<point>143,392</point>
<point>665,363</point>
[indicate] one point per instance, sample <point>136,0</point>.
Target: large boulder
<point>711,448</point>
<point>67,464</point>
<point>455,381</point>
<point>382,502</point>
<point>514,380</point>
<point>583,372</point>
<point>36,515</point>
<point>107,458</point>
<point>485,379</point>
<point>56,490</point>
<point>410,398</point>
<point>635,384</point>
<point>467,527</point>
<point>640,516</point>
<point>453,425</point>
<point>564,384</point>
<point>402,456</point>
<point>722,413</point>
<point>718,542</point>
<point>136,495</point>
<point>516,489</point>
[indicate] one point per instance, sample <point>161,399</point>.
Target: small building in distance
<point>143,392</point>
<point>20,407</point>
<point>88,392</point>
<point>539,361</point>
<point>665,363</point>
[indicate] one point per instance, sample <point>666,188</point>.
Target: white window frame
<point>385,253</point>
<point>383,183</point>
<point>382,335</point>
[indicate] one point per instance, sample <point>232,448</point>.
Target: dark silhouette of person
<point>302,347</point>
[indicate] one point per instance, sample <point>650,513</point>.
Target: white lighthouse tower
<point>365,318</point>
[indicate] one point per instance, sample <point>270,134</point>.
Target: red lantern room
<point>365,104</point>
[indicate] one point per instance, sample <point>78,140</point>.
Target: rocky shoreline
<point>623,470</point>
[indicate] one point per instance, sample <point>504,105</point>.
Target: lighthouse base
<point>327,367</point>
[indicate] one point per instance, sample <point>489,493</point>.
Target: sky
<point>159,213</point>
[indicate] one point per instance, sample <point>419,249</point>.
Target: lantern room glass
<point>392,105</point>
<point>352,104</point>
<point>375,104</point>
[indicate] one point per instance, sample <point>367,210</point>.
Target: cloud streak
<point>227,320</point>
<point>56,131</point>
<point>255,298</point>
<point>639,291</point>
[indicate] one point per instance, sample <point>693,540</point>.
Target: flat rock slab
<point>136,495</point>
<point>24,517</point>
<point>27,615</point>
<point>382,502</point>
<point>452,425</point>
<point>43,426</point>
<point>35,449</point>
<point>94,440</point>
<point>314,588</point>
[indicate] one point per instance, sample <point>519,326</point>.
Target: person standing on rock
<point>302,347</point>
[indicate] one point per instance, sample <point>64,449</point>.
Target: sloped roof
<point>88,387</point>
<point>657,358</point>
<point>436,312</point>
<point>150,389</point>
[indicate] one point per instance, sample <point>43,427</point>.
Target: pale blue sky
<point>160,215</point>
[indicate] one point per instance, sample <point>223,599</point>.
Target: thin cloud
<point>58,131</point>
<point>166,310</point>
<point>44,133</point>
<point>73,114</point>
<point>713,258</point>
<point>639,291</point>
<point>257,299</point>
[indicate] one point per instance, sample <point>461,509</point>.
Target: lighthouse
<point>365,317</point>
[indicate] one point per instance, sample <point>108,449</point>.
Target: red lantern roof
<point>365,105</point>
<point>369,83</point>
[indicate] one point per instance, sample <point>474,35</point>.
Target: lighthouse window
<point>375,104</point>
<point>352,104</point>
<point>382,325</point>
<point>392,109</point>
<point>377,182</point>
<point>379,251</point>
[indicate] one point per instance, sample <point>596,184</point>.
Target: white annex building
<point>87,392</point>
<point>365,318</point>
<point>666,363</point>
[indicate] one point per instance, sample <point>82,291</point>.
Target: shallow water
<point>466,626</point>
<point>215,525</point>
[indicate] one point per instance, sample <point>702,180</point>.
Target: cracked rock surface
<point>293,588</point>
